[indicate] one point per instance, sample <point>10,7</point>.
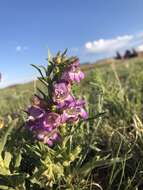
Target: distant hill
<point>85,67</point>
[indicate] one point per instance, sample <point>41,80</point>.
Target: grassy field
<point>106,153</point>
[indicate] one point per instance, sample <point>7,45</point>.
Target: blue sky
<point>91,29</point>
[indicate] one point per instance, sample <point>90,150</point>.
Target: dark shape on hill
<point>130,54</point>
<point>134,53</point>
<point>127,54</point>
<point>118,55</point>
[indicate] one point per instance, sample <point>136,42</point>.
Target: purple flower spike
<point>48,113</point>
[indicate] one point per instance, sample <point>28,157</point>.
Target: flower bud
<point>66,163</point>
<point>58,60</point>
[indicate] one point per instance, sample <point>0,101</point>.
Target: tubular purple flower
<point>40,134</point>
<point>43,135</point>
<point>69,115</point>
<point>61,92</point>
<point>73,74</point>
<point>33,125</point>
<point>65,103</point>
<point>50,141</point>
<point>51,121</point>
<point>74,111</point>
<point>44,124</point>
<point>35,112</point>
<point>35,117</point>
<point>76,63</point>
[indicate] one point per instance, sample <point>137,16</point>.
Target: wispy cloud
<point>20,48</point>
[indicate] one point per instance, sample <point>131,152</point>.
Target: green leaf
<point>43,81</point>
<point>96,116</point>
<point>64,53</point>
<point>7,159</point>
<point>3,140</point>
<point>38,69</point>
<point>42,93</point>
<point>18,160</point>
<point>12,181</point>
<point>49,55</point>
<point>4,187</point>
<point>92,164</point>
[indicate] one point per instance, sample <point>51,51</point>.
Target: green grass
<point>110,155</point>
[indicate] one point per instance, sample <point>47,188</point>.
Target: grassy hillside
<point>111,145</point>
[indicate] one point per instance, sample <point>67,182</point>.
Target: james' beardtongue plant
<point>58,106</point>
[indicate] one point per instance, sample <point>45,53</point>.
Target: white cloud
<point>140,47</point>
<point>108,45</point>
<point>140,35</point>
<point>18,48</point>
